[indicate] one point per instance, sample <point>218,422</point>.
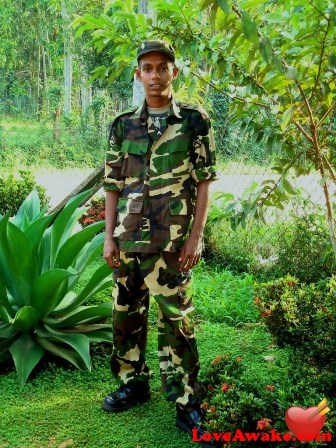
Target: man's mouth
<point>156,85</point>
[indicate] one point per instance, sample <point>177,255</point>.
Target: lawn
<point>60,406</point>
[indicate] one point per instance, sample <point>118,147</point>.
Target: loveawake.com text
<point>272,436</point>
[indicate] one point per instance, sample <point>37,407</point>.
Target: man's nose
<point>155,74</point>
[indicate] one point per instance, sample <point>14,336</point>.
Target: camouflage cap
<point>156,45</point>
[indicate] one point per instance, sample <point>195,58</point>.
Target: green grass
<point>221,296</point>
<point>31,143</point>
<point>60,407</point>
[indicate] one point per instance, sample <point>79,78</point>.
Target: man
<point>158,169</point>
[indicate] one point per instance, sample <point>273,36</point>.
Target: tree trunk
<point>45,77</point>
<point>85,91</point>
<point>67,61</point>
<point>329,210</point>
<point>57,124</point>
<point>38,89</point>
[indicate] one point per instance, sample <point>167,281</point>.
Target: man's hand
<point>190,253</point>
<point>112,254</point>
<point>192,248</point>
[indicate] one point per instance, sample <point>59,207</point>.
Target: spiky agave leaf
<point>39,312</point>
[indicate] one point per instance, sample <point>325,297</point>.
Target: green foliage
<point>301,316</point>
<point>256,400</point>
<point>303,245</point>
<point>296,242</point>
<point>220,296</point>
<point>41,260</point>
<point>280,80</point>
<point>239,250</point>
<point>13,191</point>
<point>32,144</point>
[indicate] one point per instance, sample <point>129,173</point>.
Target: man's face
<point>156,72</point>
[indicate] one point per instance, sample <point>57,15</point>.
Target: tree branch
<point>302,130</point>
<point>329,168</point>
<point>320,60</point>
<point>260,204</point>
<point>238,98</point>
<point>326,115</point>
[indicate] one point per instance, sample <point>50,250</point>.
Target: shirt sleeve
<point>203,157</point>
<point>113,179</point>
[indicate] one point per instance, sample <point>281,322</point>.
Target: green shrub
<point>298,243</point>
<point>253,400</point>
<point>240,250</point>
<point>304,247</point>
<point>41,260</point>
<point>302,316</point>
<point>14,191</point>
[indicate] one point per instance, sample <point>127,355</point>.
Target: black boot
<point>190,418</point>
<point>126,396</point>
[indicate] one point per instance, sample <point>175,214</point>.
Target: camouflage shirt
<point>157,179</point>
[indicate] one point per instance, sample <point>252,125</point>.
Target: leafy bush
<point>304,248</point>
<point>41,260</point>
<point>255,401</point>
<point>14,191</point>
<point>302,316</point>
<point>240,250</point>
<point>95,212</point>
<point>296,243</point>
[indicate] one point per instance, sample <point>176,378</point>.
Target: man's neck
<point>156,103</point>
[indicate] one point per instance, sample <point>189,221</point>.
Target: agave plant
<point>42,257</point>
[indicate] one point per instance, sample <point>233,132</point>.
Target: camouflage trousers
<point>140,274</point>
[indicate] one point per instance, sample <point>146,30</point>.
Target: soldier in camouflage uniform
<point>158,168</point>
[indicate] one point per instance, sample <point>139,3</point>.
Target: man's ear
<point>175,72</point>
<point>138,73</point>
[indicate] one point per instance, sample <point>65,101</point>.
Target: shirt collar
<point>141,111</point>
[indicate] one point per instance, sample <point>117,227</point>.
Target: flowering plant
<point>95,212</point>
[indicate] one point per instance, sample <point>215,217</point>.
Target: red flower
<point>216,360</point>
<point>256,300</point>
<point>205,406</point>
<point>102,215</point>
<point>225,387</point>
<point>266,313</point>
<point>269,387</point>
<point>88,221</point>
<point>210,388</point>
<point>264,423</point>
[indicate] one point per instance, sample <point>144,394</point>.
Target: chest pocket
<point>173,155</point>
<point>136,158</point>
